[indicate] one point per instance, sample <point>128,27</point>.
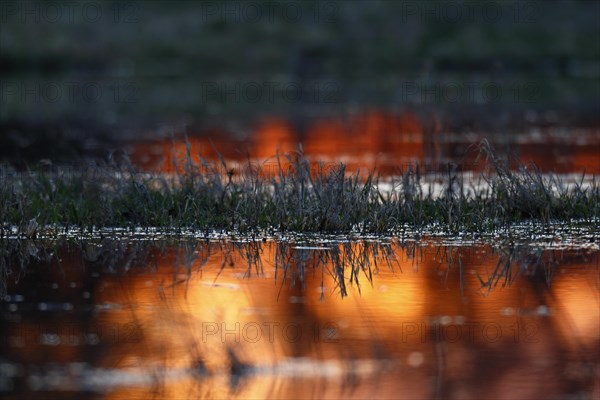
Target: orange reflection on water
<point>364,140</point>
<point>414,319</point>
<point>271,137</point>
<point>371,139</point>
<point>256,320</point>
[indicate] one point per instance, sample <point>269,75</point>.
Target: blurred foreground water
<point>296,318</point>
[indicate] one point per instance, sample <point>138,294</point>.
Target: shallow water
<point>299,319</point>
<point>390,143</point>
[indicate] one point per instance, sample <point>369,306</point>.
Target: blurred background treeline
<point>81,77</point>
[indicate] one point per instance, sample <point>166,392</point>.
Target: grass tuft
<point>300,197</point>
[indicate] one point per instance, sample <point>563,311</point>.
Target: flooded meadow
<point>205,269</point>
<point>300,199</point>
<point>140,316</point>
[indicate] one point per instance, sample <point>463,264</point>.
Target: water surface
<point>388,142</point>
<point>294,318</point>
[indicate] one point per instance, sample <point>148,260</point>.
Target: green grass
<point>298,198</point>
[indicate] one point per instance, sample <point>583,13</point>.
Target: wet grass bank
<point>300,196</point>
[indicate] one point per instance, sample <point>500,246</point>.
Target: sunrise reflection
<point>273,136</point>
<point>252,319</point>
<point>578,303</point>
<point>228,313</point>
<point>389,142</point>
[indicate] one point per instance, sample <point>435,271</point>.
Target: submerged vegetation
<point>300,196</point>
